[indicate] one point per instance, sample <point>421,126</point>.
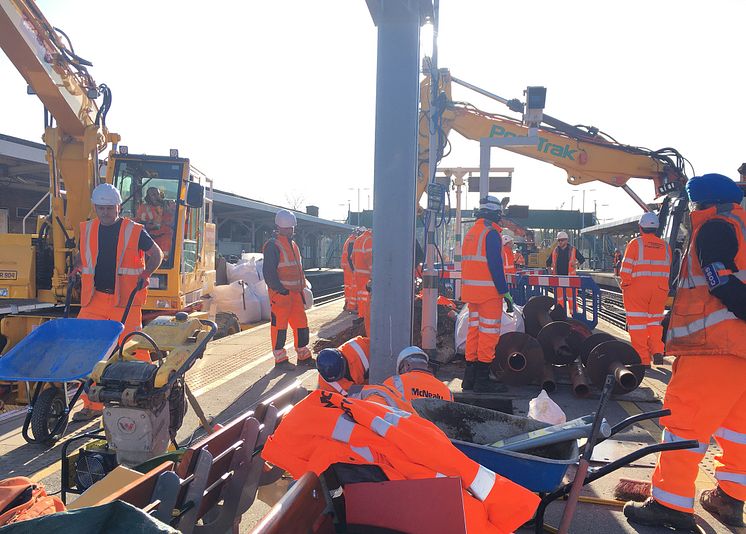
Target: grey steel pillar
<point>395,171</point>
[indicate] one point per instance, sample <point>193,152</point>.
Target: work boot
<point>281,359</point>
<point>652,513</point>
<point>723,506</point>
<point>86,414</point>
<point>470,375</point>
<point>482,382</point>
<point>305,357</point>
<point>658,359</point>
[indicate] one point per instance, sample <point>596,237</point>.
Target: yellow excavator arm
<point>586,157</point>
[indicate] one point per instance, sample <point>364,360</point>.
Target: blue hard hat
<point>713,188</point>
<point>331,365</point>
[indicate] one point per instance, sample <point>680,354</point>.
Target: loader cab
<point>172,200</point>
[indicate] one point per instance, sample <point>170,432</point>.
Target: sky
<point>276,100</point>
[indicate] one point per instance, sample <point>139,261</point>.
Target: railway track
<point>327,295</point>
<point>612,308</point>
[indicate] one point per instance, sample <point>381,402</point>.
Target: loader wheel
<point>228,324</point>
<point>49,409</point>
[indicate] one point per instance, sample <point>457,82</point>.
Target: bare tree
<point>295,200</point>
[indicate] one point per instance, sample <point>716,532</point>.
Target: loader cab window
<point>150,191</point>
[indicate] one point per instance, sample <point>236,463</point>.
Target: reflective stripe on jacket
<point>418,385</point>
<point>356,352</point>
<point>290,266</point>
<point>130,262</point>
<point>647,257</point>
<point>477,284</point>
<point>572,260</point>
<point>700,323</point>
<point>362,254</point>
<point>508,260</point>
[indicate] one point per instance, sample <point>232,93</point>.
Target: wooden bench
<point>302,510</point>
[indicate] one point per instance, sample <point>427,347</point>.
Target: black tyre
<point>227,324</point>
<point>49,409</point>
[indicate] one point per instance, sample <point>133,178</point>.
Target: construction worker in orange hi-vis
<point>644,282</point>
<point>158,216</point>
<point>563,261</point>
<point>519,260</point>
<point>283,272</point>
<point>508,255</point>
<point>483,288</point>
<point>362,259</point>
<point>348,270</point>
<point>707,391</point>
<point>617,261</point>
<point>414,379</point>
<point>115,255</point>
<point>345,366</point>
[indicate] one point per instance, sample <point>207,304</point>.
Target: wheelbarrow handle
<point>140,285</point>
<point>71,281</point>
<point>656,414</point>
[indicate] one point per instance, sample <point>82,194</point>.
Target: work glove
<point>509,301</point>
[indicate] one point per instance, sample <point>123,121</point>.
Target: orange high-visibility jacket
<point>344,260</point>
<point>518,259</point>
<point>700,323</point>
<point>476,281</point>
<point>646,258</point>
<point>326,428</point>
<point>129,267</point>
<point>418,384</point>
<point>356,352</point>
<point>290,266</point>
<point>572,260</point>
<point>383,394</point>
<point>362,254</point>
<point>508,260</point>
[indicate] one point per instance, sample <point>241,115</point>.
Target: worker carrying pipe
<point>644,282</point>
<point>283,272</point>
<point>348,270</point>
<point>362,259</point>
<point>564,260</point>
<point>345,366</point>
<point>115,254</point>
<point>707,391</point>
<point>483,287</point>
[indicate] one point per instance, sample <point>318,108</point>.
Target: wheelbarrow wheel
<point>48,410</point>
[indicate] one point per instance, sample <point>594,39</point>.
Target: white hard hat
<point>562,235</point>
<point>490,203</point>
<point>649,220</point>
<point>411,352</point>
<point>507,238</point>
<point>106,195</point>
<point>285,219</point>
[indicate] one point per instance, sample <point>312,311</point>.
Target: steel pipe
<point>619,359</point>
<point>580,385</point>
<point>518,359</point>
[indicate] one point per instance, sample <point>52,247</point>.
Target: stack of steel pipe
<point>552,340</point>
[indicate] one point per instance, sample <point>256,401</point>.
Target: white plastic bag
<point>262,293</point>
<point>244,270</point>
<point>307,296</point>
<point>462,327</point>
<point>511,322</point>
<point>544,409</point>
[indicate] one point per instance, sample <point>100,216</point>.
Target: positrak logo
<point>543,145</point>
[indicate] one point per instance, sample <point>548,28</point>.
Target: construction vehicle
<point>35,267</point>
<point>585,153</point>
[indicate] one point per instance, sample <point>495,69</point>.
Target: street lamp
<point>358,189</point>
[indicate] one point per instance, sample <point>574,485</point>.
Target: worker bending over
<point>564,261</point>
<point>508,256</point>
<point>707,390</point>
<point>483,287</point>
<point>283,272</point>
<point>362,259</point>
<point>115,254</point>
<point>348,270</point>
<point>344,367</point>
<point>644,282</point>
<point>414,379</point>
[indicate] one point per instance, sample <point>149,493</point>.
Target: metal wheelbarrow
<point>57,352</point>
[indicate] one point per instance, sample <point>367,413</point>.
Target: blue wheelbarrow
<point>57,352</point>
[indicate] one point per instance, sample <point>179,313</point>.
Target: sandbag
<point>262,294</point>
<point>244,270</point>
<point>238,298</point>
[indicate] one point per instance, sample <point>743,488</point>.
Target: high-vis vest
<point>362,254</point>
<point>700,323</point>
<point>290,266</point>
<point>327,428</point>
<point>344,260</point>
<point>156,215</point>
<point>476,281</point>
<point>647,258</point>
<point>572,259</point>
<point>518,259</point>
<point>355,352</point>
<point>418,385</point>
<point>130,262</point>
<point>508,260</point>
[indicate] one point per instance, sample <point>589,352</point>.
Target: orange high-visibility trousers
<point>102,308</point>
<point>363,300</point>
<point>350,290</point>
<point>707,398</point>
<point>644,303</point>
<point>288,310</point>
<point>565,298</point>
<point>484,330</point>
